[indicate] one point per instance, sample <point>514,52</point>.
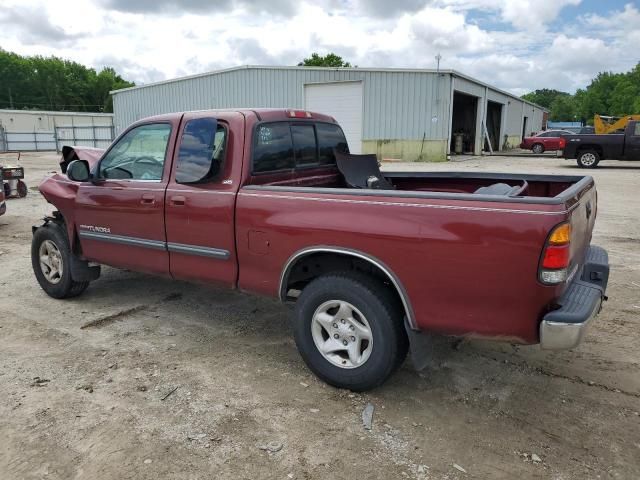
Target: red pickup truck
<point>265,201</point>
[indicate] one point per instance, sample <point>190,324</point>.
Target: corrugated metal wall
<point>397,105</point>
<point>401,105</point>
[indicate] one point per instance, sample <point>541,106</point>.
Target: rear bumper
<point>564,328</point>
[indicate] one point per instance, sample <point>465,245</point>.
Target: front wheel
<point>349,331</point>
<point>51,262</point>
<point>588,159</point>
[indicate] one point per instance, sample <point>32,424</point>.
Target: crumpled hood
<point>70,153</point>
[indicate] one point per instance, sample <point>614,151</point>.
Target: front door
<point>120,214</point>
<point>201,197</point>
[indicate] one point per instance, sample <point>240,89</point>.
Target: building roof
<point>45,112</point>
<point>454,73</point>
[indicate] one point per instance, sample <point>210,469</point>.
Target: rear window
<point>330,136</point>
<point>274,148</point>
<point>304,144</point>
<point>284,145</point>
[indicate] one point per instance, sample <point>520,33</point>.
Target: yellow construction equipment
<point>606,124</point>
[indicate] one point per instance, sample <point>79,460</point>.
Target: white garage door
<point>343,101</point>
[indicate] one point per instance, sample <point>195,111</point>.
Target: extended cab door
<point>201,197</point>
<point>120,214</point>
<point>632,141</point>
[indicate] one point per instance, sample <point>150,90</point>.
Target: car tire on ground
<point>588,159</point>
<point>537,148</point>
<point>349,330</point>
<point>51,262</point>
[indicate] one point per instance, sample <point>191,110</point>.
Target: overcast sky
<point>518,45</point>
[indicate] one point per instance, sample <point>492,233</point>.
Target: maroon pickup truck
<point>270,202</point>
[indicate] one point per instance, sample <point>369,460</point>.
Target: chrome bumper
<point>564,328</point>
<point>565,335</point>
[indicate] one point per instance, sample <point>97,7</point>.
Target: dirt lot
<point>189,382</point>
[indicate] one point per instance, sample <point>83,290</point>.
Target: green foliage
<point>544,97</point>
<point>329,60</point>
<point>609,93</point>
<point>52,83</point>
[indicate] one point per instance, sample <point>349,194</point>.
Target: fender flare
<point>393,278</point>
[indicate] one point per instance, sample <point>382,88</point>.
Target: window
<point>330,136</point>
<point>201,153</point>
<point>273,148</point>
<point>284,145</point>
<point>139,155</point>
<point>636,130</point>
<point>304,144</point>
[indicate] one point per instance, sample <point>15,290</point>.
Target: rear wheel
<point>348,328</point>
<point>51,262</point>
<point>588,159</point>
<point>538,148</point>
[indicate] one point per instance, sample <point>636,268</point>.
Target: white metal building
<point>395,113</point>
<point>46,130</point>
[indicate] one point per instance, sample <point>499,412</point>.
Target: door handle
<point>178,200</point>
<point>148,199</point>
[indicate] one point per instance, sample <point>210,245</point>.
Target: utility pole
<point>10,99</point>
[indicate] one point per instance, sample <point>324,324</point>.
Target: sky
<point>516,45</point>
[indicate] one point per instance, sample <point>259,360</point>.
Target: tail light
<point>556,256</point>
<point>562,143</point>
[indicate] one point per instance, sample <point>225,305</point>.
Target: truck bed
<point>541,189</point>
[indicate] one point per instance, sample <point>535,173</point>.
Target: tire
<point>372,307</point>
<point>52,238</point>
<point>538,148</point>
<point>588,159</point>
<point>22,189</point>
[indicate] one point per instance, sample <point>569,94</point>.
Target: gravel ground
<point>190,382</point>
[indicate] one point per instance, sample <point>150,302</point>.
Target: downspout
<point>450,129</point>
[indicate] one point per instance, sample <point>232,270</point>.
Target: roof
<point>454,73</point>
<point>45,112</point>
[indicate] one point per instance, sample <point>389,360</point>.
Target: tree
<point>608,93</point>
<point>52,83</point>
<point>329,60</point>
<point>563,109</point>
<point>544,97</point>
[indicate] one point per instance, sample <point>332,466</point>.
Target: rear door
<point>120,214</point>
<point>201,196</point>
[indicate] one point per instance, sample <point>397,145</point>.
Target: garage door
<point>343,101</point>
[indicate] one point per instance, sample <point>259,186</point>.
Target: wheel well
<point>306,267</point>
<point>596,148</point>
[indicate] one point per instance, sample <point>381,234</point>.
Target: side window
<point>636,130</point>
<point>201,153</point>
<point>330,136</point>
<point>139,155</point>
<point>273,148</point>
<point>304,144</point>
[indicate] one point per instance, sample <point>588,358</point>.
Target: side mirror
<point>78,171</point>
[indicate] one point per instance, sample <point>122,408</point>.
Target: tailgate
<point>582,216</point>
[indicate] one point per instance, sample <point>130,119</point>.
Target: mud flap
<point>81,271</point>
<point>421,347</point>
